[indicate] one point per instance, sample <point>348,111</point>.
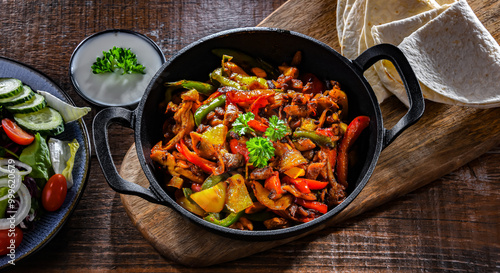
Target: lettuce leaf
<point>38,157</point>
<point>62,155</point>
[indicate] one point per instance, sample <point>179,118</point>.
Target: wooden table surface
<point>452,224</point>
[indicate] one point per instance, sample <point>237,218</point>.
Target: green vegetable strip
<point>204,88</point>
<point>229,220</point>
<point>250,79</point>
<point>187,193</point>
<point>203,110</point>
<point>217,76</point>
<point>315,137</point>
<point>214,180</point>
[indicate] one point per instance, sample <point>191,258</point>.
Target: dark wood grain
<point>452,224</point>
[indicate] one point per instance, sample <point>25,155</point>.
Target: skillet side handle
<point>100,126</point>
<point>415,97</point>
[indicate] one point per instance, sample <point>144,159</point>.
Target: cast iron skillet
<point>196,61</point>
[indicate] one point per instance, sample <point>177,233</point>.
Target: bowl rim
<point>260,235</point>
<point>94,35</point>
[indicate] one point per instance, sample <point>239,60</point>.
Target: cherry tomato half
<point>10,239</point>
<point>16,133</point>
<point>54,192</point>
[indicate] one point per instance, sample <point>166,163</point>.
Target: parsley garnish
<point>117,58</point>
<point>260,151</point>
<point>240,125</point>
<point>277,129</point>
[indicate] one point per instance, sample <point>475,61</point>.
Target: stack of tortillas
<point>455,58</point>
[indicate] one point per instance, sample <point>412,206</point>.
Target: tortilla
<point>363,16</point>
<point>352,30</point>
<point>394,33</point>
<point>343,9</point>
<point>455,58</point>
<point>341,4</point>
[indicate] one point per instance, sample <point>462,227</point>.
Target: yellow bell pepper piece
<point>211,199</point>
<point>295,172</point>
<point>237,198</point>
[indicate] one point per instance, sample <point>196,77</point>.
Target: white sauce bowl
<point>114,89</point>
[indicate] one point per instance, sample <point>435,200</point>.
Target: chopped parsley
<point>117,58</point>
<point>277,129</point>
<point>240,125</point>
<point>260,151</point>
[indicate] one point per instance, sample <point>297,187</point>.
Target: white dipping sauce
<point>114,89</point>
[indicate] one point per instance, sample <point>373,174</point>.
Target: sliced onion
<point>6,162</point>
<point>22,211</point>
<point>4,182</point>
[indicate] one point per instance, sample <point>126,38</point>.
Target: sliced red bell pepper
<point>259,103</point>
<point>206,165</point>
<point>352,133</point>
<point>328,132</point>
<point>313,184</point>
<point>306,185</point>
<point>239,148</point>
<point>237,96</point>
<point>300,184</point>
<point>315,205</point>
<point>257,125</point>
<point>274,183</point>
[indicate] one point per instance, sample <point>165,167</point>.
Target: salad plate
<point>50,222</point>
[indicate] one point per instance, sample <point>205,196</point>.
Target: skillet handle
<point>415,97</point>
<point>100,126</point>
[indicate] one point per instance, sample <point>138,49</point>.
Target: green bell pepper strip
<point>204,88</point>
<point>224,81</point>
<point>250,79</point>
<point>247,61</point>
<point>187,193</point>
<point>315,137</point>
<point>213,180</point>
<point>203,110</point>
<point>229,220</point>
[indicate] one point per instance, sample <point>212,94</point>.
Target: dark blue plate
<point>51,222</point>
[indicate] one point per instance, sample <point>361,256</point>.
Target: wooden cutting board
<point>446,138</point>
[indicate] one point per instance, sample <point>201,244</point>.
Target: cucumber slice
<point>10,87</point>
<point>34,104</point>
<point>23,96</point>
<point>46,121</point>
